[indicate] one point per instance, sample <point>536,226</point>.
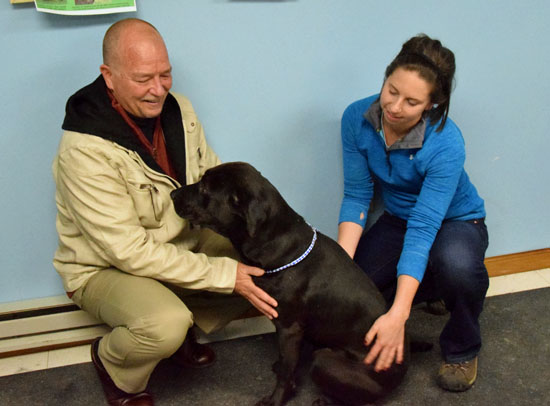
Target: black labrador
<point>323,296</point>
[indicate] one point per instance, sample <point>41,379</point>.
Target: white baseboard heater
<point>45,324</point>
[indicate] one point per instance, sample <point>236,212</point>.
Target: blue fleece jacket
<point>421,177</point>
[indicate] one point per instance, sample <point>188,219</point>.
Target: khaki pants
<point>150,320</point>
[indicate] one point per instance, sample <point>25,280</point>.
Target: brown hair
<point>435,64</point>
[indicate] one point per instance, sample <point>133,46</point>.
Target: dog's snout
<point>173,194</point>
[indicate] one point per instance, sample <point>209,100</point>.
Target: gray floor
<point>513,368</point>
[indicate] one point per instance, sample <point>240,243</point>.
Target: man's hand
<point>389,331</point>
<point>245,287</point>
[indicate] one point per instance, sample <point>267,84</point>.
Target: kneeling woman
<point>431,240</point>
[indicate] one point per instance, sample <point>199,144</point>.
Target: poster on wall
<point>85,7</point>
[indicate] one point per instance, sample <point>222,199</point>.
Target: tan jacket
<point>115,211</point>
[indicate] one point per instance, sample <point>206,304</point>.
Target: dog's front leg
<point>290,340</point>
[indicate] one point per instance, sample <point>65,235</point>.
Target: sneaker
<point>457,377</point>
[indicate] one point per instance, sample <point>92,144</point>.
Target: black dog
<point>323,295</point>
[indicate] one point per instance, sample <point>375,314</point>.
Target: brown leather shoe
<point>191,354</point>
<point>115,396</point>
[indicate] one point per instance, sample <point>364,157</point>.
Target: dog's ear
<point>253,212</point>
<point>256,215</point>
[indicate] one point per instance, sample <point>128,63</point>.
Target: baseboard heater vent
<point>45,324</point>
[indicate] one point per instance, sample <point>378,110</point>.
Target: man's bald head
<point>123,30</point>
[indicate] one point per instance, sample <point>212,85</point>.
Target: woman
<point>431,240</point>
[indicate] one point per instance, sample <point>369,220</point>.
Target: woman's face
<point>404,98</point>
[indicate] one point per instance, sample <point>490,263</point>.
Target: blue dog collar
<point>301,258</point>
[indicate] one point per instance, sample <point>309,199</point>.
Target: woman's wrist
<point>404,296</point>
<point>400,312</point>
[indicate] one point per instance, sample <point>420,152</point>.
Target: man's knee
<point>166,330</point>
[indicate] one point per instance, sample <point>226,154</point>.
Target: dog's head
<point>230,198</point>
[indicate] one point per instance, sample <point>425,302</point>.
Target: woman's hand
<point>245,287</point>
<point>388,335</point>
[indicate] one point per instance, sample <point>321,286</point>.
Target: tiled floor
<point>14,365</point>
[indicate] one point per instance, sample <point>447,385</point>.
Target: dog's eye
<point>203,195</point>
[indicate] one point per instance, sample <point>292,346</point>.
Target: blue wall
<point>270,80</point>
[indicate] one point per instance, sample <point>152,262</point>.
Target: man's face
<point>140,77</point>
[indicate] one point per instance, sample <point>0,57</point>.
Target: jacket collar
<point>89,111</point>
<point>415,137</point>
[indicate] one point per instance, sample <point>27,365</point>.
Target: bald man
<point>124,255</point>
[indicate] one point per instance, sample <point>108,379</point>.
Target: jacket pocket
<point>147,201</point>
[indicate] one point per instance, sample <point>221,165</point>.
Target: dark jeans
<point>456,273</point>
